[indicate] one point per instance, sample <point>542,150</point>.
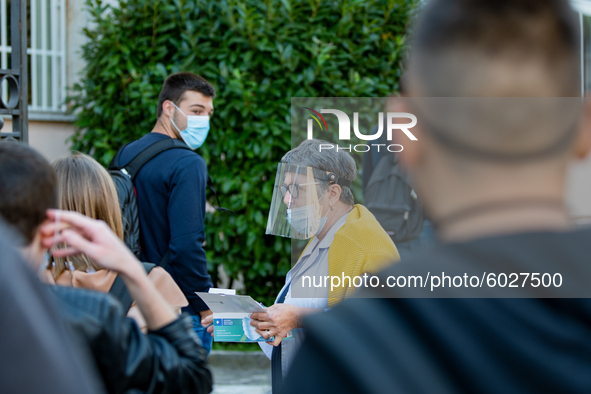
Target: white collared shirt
<point>314,263</point>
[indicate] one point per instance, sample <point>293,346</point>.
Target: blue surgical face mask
<point>250,331</point>
<point>304,220</point>
<point>197,129</point>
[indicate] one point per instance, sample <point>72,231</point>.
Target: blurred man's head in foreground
<point>519,48</point>
<point>476,152</point>
<point>27,190</point>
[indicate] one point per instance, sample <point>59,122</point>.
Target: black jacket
<point>35,350</point>
<point>169,360</point>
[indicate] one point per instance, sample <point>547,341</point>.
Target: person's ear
<point>412,151</point>
<point>167,108</point>
<point>582,144</point>
<point>334,194</point>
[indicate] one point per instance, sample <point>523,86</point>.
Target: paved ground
<point>240,372</point>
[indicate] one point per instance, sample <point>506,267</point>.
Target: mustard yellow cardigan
<point>360,246</point>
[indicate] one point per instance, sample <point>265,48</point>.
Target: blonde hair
<point>84,186</point>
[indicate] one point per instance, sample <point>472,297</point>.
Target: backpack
<point>124,176</point>
<point>392,200</point>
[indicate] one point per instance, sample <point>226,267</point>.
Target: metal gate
<point>16,103</point>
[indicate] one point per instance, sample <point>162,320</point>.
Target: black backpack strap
<point>119,290</point>
<point>114,164</point>
<point>134,166</point>
<point>165,259</point>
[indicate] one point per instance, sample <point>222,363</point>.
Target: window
<point>46,53</point>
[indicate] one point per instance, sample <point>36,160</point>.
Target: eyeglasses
<point>293,189</point>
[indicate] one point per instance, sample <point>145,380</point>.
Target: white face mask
<point>197,129</point>
<point>305,221</point>
<point>250,331</point>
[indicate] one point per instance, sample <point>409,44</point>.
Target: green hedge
<point>258,54</point>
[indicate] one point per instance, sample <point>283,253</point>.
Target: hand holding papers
<point>231,317</point>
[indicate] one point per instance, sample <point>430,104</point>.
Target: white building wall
<point>48,138</point>
<point>49,132</point>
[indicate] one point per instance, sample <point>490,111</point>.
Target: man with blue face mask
<point>171,187</point>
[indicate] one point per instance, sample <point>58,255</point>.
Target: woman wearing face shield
<point>313,200</point>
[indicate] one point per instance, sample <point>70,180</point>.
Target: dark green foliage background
<point>258,54</point>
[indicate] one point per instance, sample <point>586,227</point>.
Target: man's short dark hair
<point>458,45</point>
<point>177,84</point>
<point>27,188</point>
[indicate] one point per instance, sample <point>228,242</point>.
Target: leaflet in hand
<point>231,317</point>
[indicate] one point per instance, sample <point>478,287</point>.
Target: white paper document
<point>231,317</point>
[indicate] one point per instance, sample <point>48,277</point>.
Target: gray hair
<point>339,162</point>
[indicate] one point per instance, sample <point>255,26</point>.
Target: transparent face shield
<point>296,208</point>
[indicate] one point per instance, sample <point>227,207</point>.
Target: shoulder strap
<point>114,164</point>
<point>134,166</point>
<point>119,290</point>
<point>165,259</point>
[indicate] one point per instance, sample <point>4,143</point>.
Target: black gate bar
<point>17,75</point>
